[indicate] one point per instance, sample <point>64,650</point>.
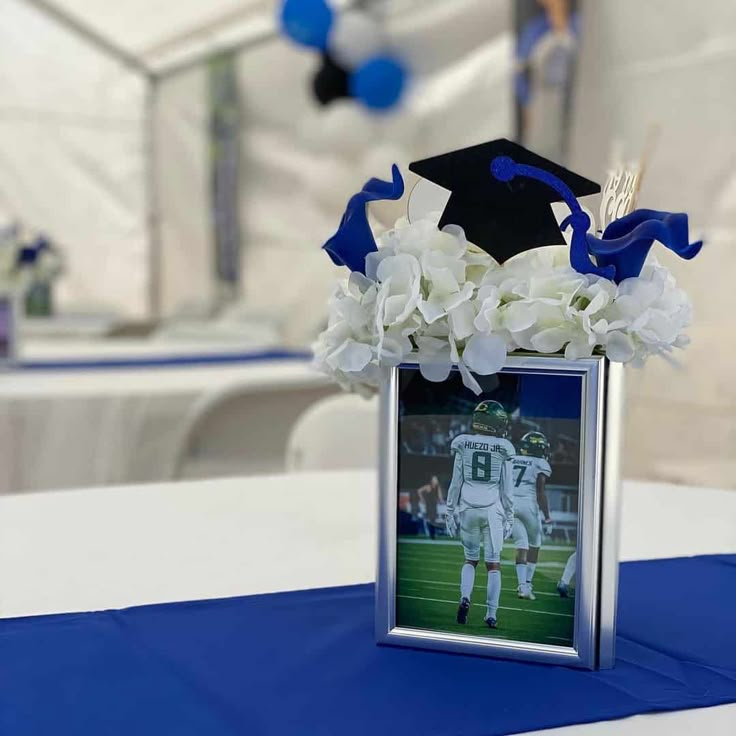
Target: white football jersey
<point>524,472</point>
<point>482,457</point>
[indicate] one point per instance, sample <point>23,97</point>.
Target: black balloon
<point>330,83</point>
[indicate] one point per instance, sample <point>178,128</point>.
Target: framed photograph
<point>499,512</point>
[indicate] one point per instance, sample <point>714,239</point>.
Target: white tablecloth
<point>73,427</point>
<point>113,547</point>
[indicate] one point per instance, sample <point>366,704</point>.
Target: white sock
<point>569,569</point>
<point>530,568</point>
<point>467,580</point>
<point>493,593</point>
<point>521,573</point>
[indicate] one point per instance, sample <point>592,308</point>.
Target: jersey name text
<point>482,446</point>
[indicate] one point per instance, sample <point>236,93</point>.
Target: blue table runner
<point>163,360</point>
<point>306,663</point>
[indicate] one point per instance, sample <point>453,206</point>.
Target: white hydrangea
<point>430,294</point>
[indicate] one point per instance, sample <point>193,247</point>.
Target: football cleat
<point>491,622</point>
<point>563,589</point>
<point>462,611</point>
<point>526,593</point>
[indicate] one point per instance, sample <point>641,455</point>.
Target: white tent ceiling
<point>159,34</point>
<point>105,138</point>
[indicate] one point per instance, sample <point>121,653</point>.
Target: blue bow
<point>354,240</point>
<point>626,242</point>
<point>622,249</point>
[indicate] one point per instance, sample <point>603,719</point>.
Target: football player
<point>529,472</point>
<point>563,587</point>
<point>479,504</point>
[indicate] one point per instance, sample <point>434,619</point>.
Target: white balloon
<point>354,37</point>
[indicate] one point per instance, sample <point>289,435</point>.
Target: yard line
<point>483,605</point>
<point>510,563</point>
<point>450,542</point>
<point>476,587</point>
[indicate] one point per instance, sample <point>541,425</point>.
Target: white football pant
<point>484,525</point>
<point>527,531</point>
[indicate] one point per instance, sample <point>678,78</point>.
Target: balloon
<point>354,38</point>
<point>307,22</point>
<point>378,83</point>
<point>330,83</point>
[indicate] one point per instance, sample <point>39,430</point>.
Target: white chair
<point>243,429</point>
<point>336,433</point>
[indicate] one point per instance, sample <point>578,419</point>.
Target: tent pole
<point>153,218</point>
<point>91,36</point>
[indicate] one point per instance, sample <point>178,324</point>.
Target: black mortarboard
<point>501,217</point>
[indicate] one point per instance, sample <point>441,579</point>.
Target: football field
<point>428,593</point>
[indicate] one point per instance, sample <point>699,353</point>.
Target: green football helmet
<point>534,444</point>
<point>490,417</point>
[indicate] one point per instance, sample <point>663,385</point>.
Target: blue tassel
<point>622,249</point>
<point>354,240</point>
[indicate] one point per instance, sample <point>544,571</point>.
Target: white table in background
<point>78,427</point>
<point>92,549</point>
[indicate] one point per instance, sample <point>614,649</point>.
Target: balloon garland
<point>356,59</point>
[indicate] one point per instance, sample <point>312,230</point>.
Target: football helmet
<point>534,444</point>
<point>490,417</point>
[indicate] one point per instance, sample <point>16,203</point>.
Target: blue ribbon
<point>626,242</point>
<point>622,249</point>
<point>354,240</point>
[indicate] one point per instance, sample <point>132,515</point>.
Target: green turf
<point>428,591</point>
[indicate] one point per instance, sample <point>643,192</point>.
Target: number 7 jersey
<point>524,472</point>
<point>480,459</point>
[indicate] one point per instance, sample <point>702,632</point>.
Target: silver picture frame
<point>597,532</point>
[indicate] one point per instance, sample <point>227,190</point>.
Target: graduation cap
<point>502,215</point>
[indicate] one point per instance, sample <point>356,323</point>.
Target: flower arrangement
<point>26,260</point>
<point>426,291</point>
<point>429,292</point>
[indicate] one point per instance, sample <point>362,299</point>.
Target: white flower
<point>485,354</point>
<point>398,293</point>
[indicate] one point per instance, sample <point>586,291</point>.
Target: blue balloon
<point>378,83</point>
<point>307,22</point>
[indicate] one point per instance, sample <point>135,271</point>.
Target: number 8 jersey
<point>479,469</point>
